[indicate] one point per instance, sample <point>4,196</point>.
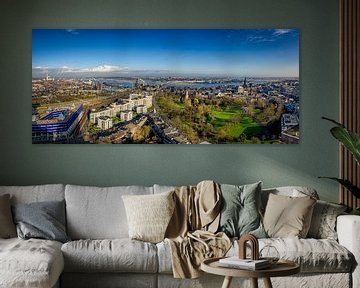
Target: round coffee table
<point>281,268</point>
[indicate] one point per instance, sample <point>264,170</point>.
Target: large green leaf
<point>348,185</point>
<point>348,138</point>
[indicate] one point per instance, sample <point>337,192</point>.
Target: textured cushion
<point>36,193</point>
<point>323,223</point>
<point>98,213</point>
<point>117,255</point>
<point>240,210</point>
<point>149,215</point>
<point>44,220</point>
<point>287,216</point>
<point>32,263</point>
<point>7,227</point>
<point>313,255</point>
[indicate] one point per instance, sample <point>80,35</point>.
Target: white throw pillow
<point>149,215</point>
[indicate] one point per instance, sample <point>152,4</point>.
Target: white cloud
<point>40,67</point>
<point>260,36</point>
<point>72,31</point>
<point>102,70</point>
<point>258,39</point>
<point>97,69</point>
<point>107,68</point>
<point>279,32</point>
<point>68,70</point>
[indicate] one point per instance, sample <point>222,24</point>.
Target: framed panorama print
<point>165,86</point>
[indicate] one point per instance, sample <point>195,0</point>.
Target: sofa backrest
<point>35,193</point>
<point>163,188</point>
<point>98,212</point>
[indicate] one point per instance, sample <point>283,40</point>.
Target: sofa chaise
<point>101,254</point>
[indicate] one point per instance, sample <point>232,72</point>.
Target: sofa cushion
<point>117,255</point>
<point>35,193</point>
<point>323,222</point>
<point>287,216</point>
<point>164,257</point>
<point>149,215</point>
<point>291,191</point>
<point>7,226</point>
<point>240,210</point>
<point>313,255</point>
<point>98,213</point>
<point>163,188</point>
<point>43,220</point>
<point>30,263</point>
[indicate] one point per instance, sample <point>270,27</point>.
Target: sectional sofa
<point>100,253</point>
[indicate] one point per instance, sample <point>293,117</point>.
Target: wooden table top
<point>281,268</point>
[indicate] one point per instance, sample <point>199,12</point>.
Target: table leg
<point>227,282</point>
<point>254,282</point>
<point>267,283</point>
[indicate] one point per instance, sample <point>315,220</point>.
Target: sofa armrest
<point>348,230</point>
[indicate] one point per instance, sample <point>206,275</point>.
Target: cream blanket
<point>191,231</point>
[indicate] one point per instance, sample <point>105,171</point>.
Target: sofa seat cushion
<point>313,255</point>
<point>30,263</point>
<point>115,255</point>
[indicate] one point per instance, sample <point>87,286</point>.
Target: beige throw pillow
<point>149,215</point>
<point>7,226</point>
<point>288,217</point>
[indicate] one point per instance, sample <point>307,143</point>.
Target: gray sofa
<point>101,254</point>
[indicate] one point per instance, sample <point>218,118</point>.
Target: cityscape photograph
<point>165,86</point>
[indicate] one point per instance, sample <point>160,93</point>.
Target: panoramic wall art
<point>165,86</point>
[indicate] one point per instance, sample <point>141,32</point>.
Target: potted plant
<point>351,141</point>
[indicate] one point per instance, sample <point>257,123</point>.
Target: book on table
<point>236,262</point>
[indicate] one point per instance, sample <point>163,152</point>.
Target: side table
<point>281,268</point>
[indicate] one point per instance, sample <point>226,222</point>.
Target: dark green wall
<point>23,163</point>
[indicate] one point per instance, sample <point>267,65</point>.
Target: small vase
<point>270,253</point>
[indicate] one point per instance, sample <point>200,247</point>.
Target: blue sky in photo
<point>121,52</point>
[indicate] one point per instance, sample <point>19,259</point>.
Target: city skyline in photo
<point>76,53</point>
<point>165,86</point>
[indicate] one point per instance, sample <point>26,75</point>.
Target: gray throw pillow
<point>7,227</point>
<point>44,220</point>
<point>323,222</point>
<point>240,213</point>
